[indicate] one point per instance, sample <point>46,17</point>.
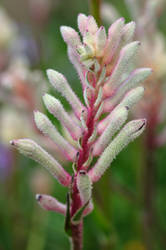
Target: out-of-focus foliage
<point>116,222</point>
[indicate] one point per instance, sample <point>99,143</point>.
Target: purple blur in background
<point>5,162</point>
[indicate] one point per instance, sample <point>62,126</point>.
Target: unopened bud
<point>55,107</point>
<point>82,23</point>
<point>84,186</point>
<point>32,150</point>
<point>124,62</point>
<point>114,36</point>
<point>117,119</point>
<point>130,131</point>
<point>91,25</point>
<point>128,33</point>
<point>132,97</point>
<point>70,36</point>
<point>46,127</point>
<point>49,203</point>
<point>60,83</point>
<point>101,39</point>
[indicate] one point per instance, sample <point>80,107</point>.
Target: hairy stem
<point>77,236</point>
<point>83,155</point>
<point>95,7</point>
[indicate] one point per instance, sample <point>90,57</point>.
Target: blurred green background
<point>117,220</point>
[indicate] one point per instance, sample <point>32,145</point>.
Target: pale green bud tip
<point>130,131</point>
<point>25,146</point>
<point>51,103</point>
<point>135,128</point>
<point>70,36</point>
<point>82,22</point>
<point>41,120</point>
<point>32,150</point>
<point>56,78</point>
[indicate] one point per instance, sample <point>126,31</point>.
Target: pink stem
<point>77,230</point>
<point>77,236</point>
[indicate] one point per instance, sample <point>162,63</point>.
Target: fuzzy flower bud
<point>46,127</point>
<point>49,203</point>
<point>84,186</point>
<point>32,150</point>
<point>124,60</point>
<point>101,39</point>
<point>117,119</point>
<point>61,85</point>
<point>70,36</point>
<point>131,131</point>
<point>128,32</point>
<point>132,97</point>
<point>55,107</point>
<point>114,36</point>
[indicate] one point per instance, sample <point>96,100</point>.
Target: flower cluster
<point>111,86</point>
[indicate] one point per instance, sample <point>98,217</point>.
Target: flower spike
<point>95,129</point>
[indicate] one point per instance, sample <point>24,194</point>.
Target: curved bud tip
<point>53,75</point>
<point>82,172</point>
<point>135,128</point>
<point>13,142</point>
<point>144,121</point>
<point>38,197</point>
<point>51,103</point>
<point>50,203</point>
<point>82,22</point>
<point>70,36</point>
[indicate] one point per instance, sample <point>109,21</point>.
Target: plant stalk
<point>95,7</point>
<point>77,236</point>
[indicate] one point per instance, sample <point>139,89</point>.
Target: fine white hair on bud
<point>70,36</point>
<point>55,107</point>
<point>114,36</point>
<point>49,203</point>
<point>132,97</point>
<point>91,25</point>
<point>136,77</point>
<point>76,63</point>
<point>47,128</point>
<point>82,23</point>
<point>60,83</point>
<point>128,33</point>
<point>106,121</point>
<point>101,38</point>
<point>117,119</point>
<point>84,186</point>
<point>32,150</point>
<point>125,58</point>
<point>129,132</point>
